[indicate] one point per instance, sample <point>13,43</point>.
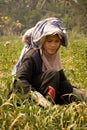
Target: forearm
<point>22,86</point>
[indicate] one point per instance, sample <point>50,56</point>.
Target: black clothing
<point>32,78</point>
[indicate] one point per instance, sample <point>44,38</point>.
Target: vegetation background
<point>16,16</point>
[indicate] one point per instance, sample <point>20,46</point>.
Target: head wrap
<point>27,34</point>
<point>46,27</point>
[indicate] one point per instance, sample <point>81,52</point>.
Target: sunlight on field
<point>29,116</point>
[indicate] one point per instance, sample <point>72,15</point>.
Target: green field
<point>29,116</point>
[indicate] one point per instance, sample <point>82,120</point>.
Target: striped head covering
<point>27,34</point>
<point>46,27</point>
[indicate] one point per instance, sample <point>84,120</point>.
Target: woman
<point>41,70</point>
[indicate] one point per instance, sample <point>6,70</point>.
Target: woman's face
<point>51,44</point>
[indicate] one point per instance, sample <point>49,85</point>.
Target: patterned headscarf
<point>47,27</point>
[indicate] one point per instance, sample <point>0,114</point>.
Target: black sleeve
<point>65,85</point>
<point>24,75</point>
<point>62,75</point>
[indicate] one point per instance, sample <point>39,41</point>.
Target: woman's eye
<point>57,41</point>
<point>49,40</point>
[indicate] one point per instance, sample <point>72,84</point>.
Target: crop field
<point>30,116</point>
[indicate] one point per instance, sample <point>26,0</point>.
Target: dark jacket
<point>31,67</point>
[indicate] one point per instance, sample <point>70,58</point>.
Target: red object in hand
<point>51,92</point>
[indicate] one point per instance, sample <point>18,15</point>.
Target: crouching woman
<point>41,70</point>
